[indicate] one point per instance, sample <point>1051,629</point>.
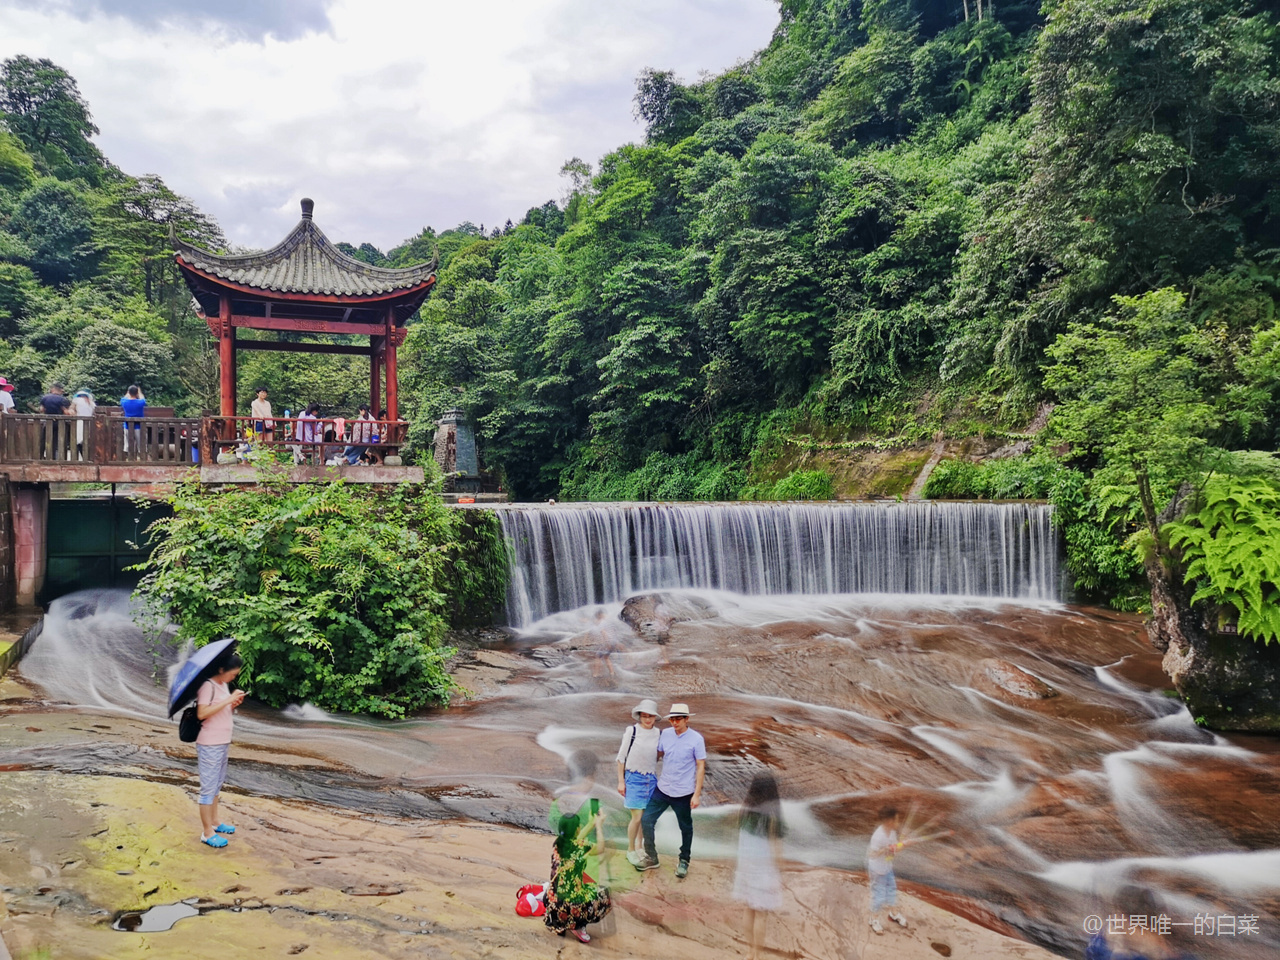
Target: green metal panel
<point>92,541</point>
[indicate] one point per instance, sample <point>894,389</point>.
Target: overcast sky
<point>391,114</point>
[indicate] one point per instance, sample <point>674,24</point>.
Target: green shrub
<point>804,485</point>
<point>337,594</point>
<point>1231,546</point>
<point>1029,477</point>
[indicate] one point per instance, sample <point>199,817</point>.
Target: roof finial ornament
<point>308,206</point>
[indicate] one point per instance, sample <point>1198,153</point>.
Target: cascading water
<point>569,557</point>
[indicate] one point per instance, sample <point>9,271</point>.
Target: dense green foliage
<point>900,220</point>
<point>879,224</point>
<point>339,595</point>
<point>1231,546</point>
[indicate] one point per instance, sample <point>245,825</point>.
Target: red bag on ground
<point>529,902</point>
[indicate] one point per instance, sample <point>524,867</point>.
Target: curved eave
<point>266,293</point>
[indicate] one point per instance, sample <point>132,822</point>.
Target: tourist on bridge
<point>684,765</point>
<point>263,425</point>
<point>83,407</point>
<point>6,396</point>
<point>55,402</point>
<point>363,430</point>
<point>134,405</point>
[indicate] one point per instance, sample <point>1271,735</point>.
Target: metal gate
<point>92,540</point>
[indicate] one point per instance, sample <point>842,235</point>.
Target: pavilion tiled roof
<point>305,262</point>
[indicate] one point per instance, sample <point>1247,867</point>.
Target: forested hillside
<point>901,221</point>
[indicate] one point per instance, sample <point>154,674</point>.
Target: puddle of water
<point>155,920</point>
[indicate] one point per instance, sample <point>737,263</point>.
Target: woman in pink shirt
<point>214,705</point>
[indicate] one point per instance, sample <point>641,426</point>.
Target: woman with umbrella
<point>207,673</point>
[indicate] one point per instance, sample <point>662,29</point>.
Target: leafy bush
<point>1231,546</point>
<point>337,594</point>
<point>804,485</point>
<point>1017,478</point>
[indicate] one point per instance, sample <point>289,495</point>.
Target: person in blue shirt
<point>134,404</point>
<point>684,765</point>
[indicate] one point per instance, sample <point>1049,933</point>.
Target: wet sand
<point>304,879</point>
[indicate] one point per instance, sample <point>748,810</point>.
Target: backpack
<point>189,726</point>
<point>529,900</point>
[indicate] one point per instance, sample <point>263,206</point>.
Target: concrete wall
<point>30,512</point>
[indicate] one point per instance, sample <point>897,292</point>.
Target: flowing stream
<point>1059,801</point>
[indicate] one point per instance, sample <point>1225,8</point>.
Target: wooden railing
<point>314,441</point>
<point>177,441</point>
<point>26,438</point>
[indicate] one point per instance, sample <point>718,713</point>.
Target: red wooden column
<point>227,357</point>
<point>375,375</point>
<point>393,410</point>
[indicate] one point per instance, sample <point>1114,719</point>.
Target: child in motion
<point>884,888</point>
<point>214,705</point>
<point>758,882</point>
<point>638,770</point>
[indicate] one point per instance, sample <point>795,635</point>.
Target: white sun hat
<point>644,706</point>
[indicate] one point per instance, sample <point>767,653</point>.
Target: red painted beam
<point>307,326</point>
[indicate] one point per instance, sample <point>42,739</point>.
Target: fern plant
<point>1231,546</point>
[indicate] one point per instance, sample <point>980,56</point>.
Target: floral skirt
<point>565,915</point>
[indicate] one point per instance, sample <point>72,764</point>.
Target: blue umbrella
<point>198,668</point>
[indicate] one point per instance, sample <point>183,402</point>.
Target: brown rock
<point>1013,679</point>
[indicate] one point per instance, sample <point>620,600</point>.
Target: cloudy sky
<point>391,114</point>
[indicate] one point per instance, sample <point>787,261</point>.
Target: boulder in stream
<point>651,615</point>
<point>1013,679</point>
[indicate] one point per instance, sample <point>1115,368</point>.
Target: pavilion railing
<point>307,441</point>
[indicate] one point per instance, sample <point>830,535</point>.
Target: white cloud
<point>398,115</point>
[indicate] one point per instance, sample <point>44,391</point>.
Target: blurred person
<point>885,845</point>
<point>638,770</point>
<point>683,753</point>
<point>1137,943</point>
<point>82,405</point>
<point>757,883</point>
<point>573,898</point>
<point>6,396</point>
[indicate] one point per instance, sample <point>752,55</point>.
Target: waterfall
<point>570,556</point>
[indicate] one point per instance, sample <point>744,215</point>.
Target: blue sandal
<point>224,828</point>
<point>214,841</point>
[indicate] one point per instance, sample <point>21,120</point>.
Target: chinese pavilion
<point>304,285</point>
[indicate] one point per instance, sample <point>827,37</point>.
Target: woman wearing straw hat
<point>684,764</point>
<point>638,770</point>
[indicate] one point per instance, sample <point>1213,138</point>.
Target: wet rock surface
<point>1052,803</point>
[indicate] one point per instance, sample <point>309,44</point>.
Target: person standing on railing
<point>6,396</point>
<point>263,425</point>
<point>83,405</point>
<point>134,405</point>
